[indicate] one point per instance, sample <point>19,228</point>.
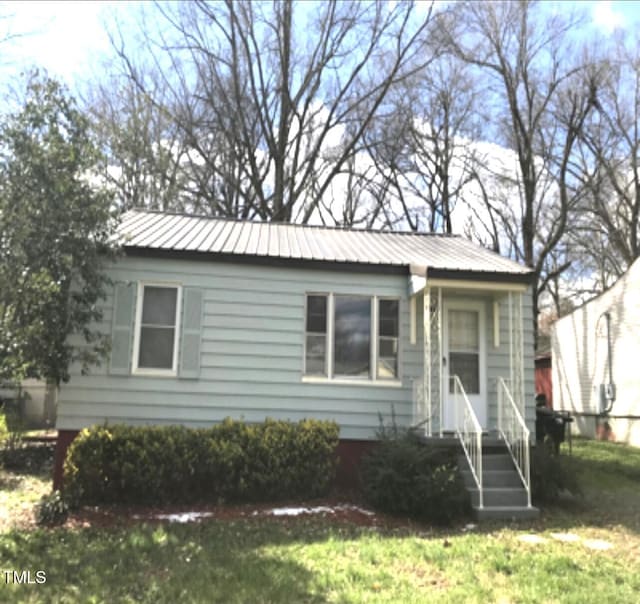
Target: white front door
<point>464,350</point>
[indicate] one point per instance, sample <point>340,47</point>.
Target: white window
<point>155,350</point>
<point>464,349</point>
<point>351,337</point>
<point>316,336</point>
<point>388,338</point>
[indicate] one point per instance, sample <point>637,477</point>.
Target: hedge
<point>231,461</point>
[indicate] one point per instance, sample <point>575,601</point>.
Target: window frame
<point>398,337</point>
<point>330,376</point>
<point>149,371</point>
<point>327,329</point>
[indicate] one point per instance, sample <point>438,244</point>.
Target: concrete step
<point>500,497</point>
<point>506,513</point>
<point>493,478</point>
<point>490,462</point>
<point>497,461</point>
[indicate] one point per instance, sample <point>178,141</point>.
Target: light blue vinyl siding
<point>251,358</point>
<point>498,364</point>
<point>251,354</point>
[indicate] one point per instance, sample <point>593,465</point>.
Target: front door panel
<point>464,351</point>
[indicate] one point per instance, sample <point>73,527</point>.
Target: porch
<point>471,393</point>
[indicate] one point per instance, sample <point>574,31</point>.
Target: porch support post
<point>511,367</point>
<point>426,320</point>
<point>516,350</point>
<point>439,362</point>
<point>519,354</point>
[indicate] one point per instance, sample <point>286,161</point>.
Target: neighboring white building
<point>596,362</point>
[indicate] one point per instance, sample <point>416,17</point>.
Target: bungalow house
<point>213,318</point>
<point>595,351</point>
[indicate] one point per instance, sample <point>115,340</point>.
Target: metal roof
<point>144,229</point>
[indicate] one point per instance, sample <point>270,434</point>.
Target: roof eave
<point>525,278</point>
<point>401,269</point>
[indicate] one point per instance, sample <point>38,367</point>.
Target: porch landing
<point>504,495</point>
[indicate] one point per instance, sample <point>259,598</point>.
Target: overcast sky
<point>69,38</point>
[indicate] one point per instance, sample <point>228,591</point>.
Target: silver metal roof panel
<point>166,231</point>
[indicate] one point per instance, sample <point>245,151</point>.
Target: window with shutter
<point>157,330</point>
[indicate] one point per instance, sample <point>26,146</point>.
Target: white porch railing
<point>469,432</point>
<point>514,432</point>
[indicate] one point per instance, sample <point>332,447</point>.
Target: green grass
<point>315,560</point>
<point>607,465</point>
<point>307,561</point>
<point>21,489</point>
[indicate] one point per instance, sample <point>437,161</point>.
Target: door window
<point>464,349</point>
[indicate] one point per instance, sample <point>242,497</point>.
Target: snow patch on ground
<point>182,518</point>
<point>321,509</point>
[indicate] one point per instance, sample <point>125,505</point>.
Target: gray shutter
<point>192,303</point>
<point>122,329</point>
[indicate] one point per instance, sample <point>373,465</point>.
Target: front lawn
<point>578,551</point>
<point>21,488</point>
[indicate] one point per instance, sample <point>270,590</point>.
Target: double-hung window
<point>157,329</point>
<point>316,335</point>
<point>388,338</point>
<point>351,337</point>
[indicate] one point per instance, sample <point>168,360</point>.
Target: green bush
<point>232,461</point>
<point>4,430</point>
<point>407,477</point>
<point>551,474</point>
<point>52,510</point>
<point>12,431</point>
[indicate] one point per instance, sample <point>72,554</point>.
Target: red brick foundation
<point>65,438</point>
<point>350,453</point>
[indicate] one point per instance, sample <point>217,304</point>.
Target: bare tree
<point>540,100</point>
<point>273,99</point>
<point>422,147</point>
<point>144,151</point>
<point>607,233</point>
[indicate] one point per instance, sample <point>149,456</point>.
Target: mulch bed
<point>342,512</point>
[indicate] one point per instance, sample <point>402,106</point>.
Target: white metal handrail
<point>469,432</point>
<point>514,432</point>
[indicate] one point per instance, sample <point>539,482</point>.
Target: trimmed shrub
<point>231,461</point>
<point>51,510</point>
<point>404,476</point>
<point>551,474</point>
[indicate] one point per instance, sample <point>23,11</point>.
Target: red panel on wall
<point>543,379</point>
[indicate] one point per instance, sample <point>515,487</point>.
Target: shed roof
<point>169,232</point>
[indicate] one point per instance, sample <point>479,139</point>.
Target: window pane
<point>388,338</point>
<point>352,336</point>
<point>317,314</point>
<point>159,305</point>
<point>387,367</point>
<point>467,367</point>
<point>156,348</point>
<point>388,347</point>
<point>463,330</point>
<point>388,317</point>
<point>316,353</point>
<point>317,305</point>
